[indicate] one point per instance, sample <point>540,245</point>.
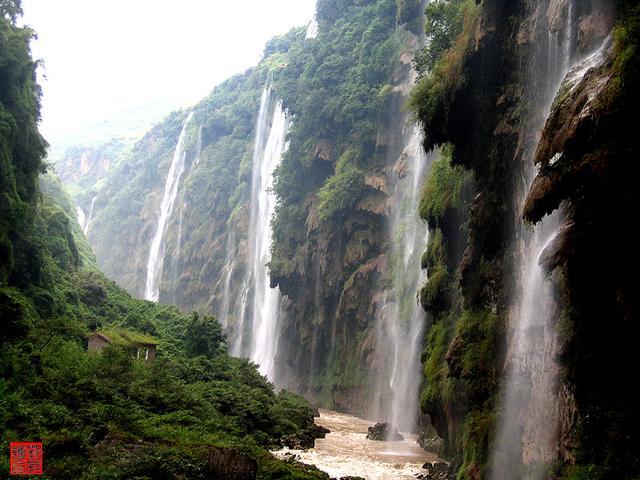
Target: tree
<point>204,336</point>
<point>11,9</point>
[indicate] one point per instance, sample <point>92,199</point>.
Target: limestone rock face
<point>564,153</point>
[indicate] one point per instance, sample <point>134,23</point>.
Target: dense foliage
<point>347,70</point>
<point>460,377</point>
<point>106,414</point>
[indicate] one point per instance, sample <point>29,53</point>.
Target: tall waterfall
<point>405,321</point>
<point>156,251</point>
<point>526,441</point>
<point>262,300</point>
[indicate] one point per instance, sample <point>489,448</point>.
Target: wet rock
<point>384,431</point>
<point>306,438</point>
<point>289,457</point>
<point>438,471</point>
<point>556,251</point>
<point>431,443</point>
<point>227,464</point>
<point>566,152</point>
<point>594,27</point>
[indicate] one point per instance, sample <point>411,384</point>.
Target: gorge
<point>413,212</point>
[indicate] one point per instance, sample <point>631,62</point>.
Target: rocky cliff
<point>523,84</point>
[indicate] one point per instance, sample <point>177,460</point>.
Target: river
<point>346,451</point>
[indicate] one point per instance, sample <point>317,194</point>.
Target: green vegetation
<point>126,338</point>
<point>336,88</point>
<point>444,190</point>
<point>451,25</point>
<point>443,24</point>
<point>107,415</point>
<point>342,190</point>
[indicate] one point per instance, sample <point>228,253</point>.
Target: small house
<point>141,346</point>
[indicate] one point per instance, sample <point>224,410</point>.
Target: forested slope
<point>107,415</point>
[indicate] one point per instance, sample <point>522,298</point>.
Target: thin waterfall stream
<point>156,250</point>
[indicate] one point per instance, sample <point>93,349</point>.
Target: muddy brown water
<point>346,451</point>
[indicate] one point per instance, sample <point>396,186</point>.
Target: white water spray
<point>526,441</point>
<point>270,144</point>
<point>403,318</point>
<point>156,251</point>
<point>83,220</point>
<point>80,215</point>
<point>312,29</point>
<point>230,265</point>
<point>86,228</point>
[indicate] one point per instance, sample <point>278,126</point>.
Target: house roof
<point>124,337</point>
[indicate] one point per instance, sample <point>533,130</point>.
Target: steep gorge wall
<point>344,91</point>
<point>484,99</point>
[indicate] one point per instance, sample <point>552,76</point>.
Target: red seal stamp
<point>26,458</point>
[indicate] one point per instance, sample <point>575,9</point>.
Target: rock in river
<point>384,431</point>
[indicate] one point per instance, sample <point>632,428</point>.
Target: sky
<point>113,61</point>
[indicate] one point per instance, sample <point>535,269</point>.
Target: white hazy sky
<point>106,57</point>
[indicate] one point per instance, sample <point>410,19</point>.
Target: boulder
<point>227,464</point>
<point>438,471</point>
<point>383,432</point>
<point>305,438</point>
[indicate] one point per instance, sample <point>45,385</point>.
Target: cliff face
<point>344,92</point>
<point>332,249</point>
<point>213,188</point>
<point>490,97</point>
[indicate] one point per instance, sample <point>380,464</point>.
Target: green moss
<point>434,92</point>
<point>583,472</point>
<point>127,338</point>
<point>444,190</point>
<point>343,189</point>
<point>477,433</point>
<point>625,70</point>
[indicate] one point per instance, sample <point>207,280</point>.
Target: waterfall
<point>196,161</point>
<point>312,29</point>
<point>230,265</point>
<point>87,226</point>
<point>81,217</point>
<point>83,220</point>
<point>271,130</point>
<point>156,250</point>
<point>527,429</point>
<point>409,237</point>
